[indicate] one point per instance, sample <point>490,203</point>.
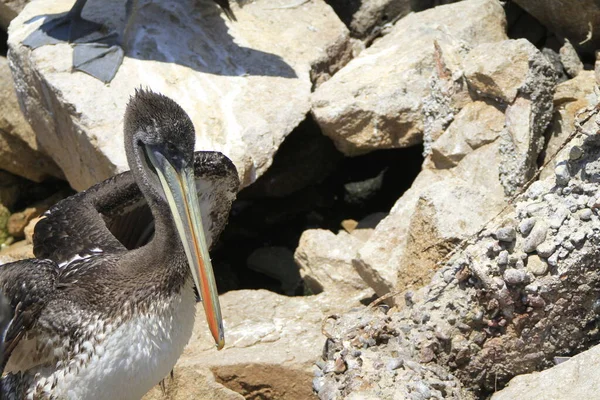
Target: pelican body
<point>108,305</point>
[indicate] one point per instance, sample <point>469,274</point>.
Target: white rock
<point>245,84</point>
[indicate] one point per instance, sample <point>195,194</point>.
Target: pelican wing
<point>113,216</point>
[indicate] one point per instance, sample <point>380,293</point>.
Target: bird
<point>108,304</point>
<point>95,52</point>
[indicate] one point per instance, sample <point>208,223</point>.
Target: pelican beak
<point>180,190</point>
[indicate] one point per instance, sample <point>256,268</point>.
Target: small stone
<point>562,174</point>
<point>537,266</point>
<point>526,226</point>
<point>394,363</point>
<point>506,234</point>
<point>558,217</point>
<point>519,264</point>
<point>536,236</point>
<point>585,214</point>
<point>546,249</point>
<point>423,389</point>
<point>575,153</point>
<point>578,237</point>
<point>514,276</point>
<point>502,258</point>
<point>536,189</point>
<point>568,245</point>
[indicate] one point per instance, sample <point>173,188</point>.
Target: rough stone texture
<point>476,324</point>
<point>325,261</point>
<point>192,383</point>
<point>9,9</point>
<point>245,85</point>
<point>570,59</point>
<point>17,251</point>
<point>272,342</point>
<point>576,378</point>
<point>375,101</point>
<point>519,76</point>
<point>561,17</point>
<point>19,150</point>
<point>570,97</point>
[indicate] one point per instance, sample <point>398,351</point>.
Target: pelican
<point>107,306</point>
<point>95,52</point>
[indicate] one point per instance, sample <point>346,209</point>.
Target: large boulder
<point>19,149</point>
<point>376,101</point>
<point>245,84</point>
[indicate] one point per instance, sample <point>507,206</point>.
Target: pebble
<point>423,389</point>
<point>537,266</point>
<point>558,217</point>
<point>578,237</point>
<point>502,258</point>
<point>506,234</point>
<point>514,276</point>
<point>585,214</point>
<point>546,249</point>
<point>519,264</point>
<point>526,226</point>
<point>536,189</point>
<point>562,174</point>
<point>536,236</point>
<point>394,363</point>
<point>575,153</point>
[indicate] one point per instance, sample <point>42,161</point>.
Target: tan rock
<point>192,383</point>
<point>17,251</point>
<point>572,379</point>
<point>325,261</point>
<point>271,344</point>
<point>245,85</point>
<point>19,150</point>
<point>570,97</point>
<point>375,101</point>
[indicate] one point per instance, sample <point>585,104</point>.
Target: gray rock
<point>570,59</point>
<point>575,23</point>
<point>526,226</point>
<point>506,234</point>
<point>536,236</point>
<point>545,249</point>
<point>514,276</point>
<point>220,78</point>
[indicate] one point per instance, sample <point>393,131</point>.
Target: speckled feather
<point>94,317</point>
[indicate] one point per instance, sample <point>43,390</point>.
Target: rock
<point>4,215</point>
<point>536,265</point>
<point>506,234</point>
<point>244,87</point>
<point>17,251</point>
<point>471,322</point>
<point>519,76</point>
<point>367,225</point>
<point>9,9</point>
<point>446,170</point>
<point>536,236</point>
<point>375,101</point>
<point>325,261</point>
<point>278,263</point>
<point>476,125</point>
<point>570,97</point>
<point>192,383</point>
<point>572,379</point>
<point>271,342</point>
<point>18,221</point>
<point>570,59</point>
<point>29,229</point>
<point>575,23</point>
<point>19,151</point>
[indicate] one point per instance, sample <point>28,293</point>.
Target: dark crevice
<point>310,185</point>
<point>3,43</point>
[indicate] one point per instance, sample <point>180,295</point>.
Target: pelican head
<point>159,143</point>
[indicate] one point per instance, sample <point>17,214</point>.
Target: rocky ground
<point>420,212</point>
